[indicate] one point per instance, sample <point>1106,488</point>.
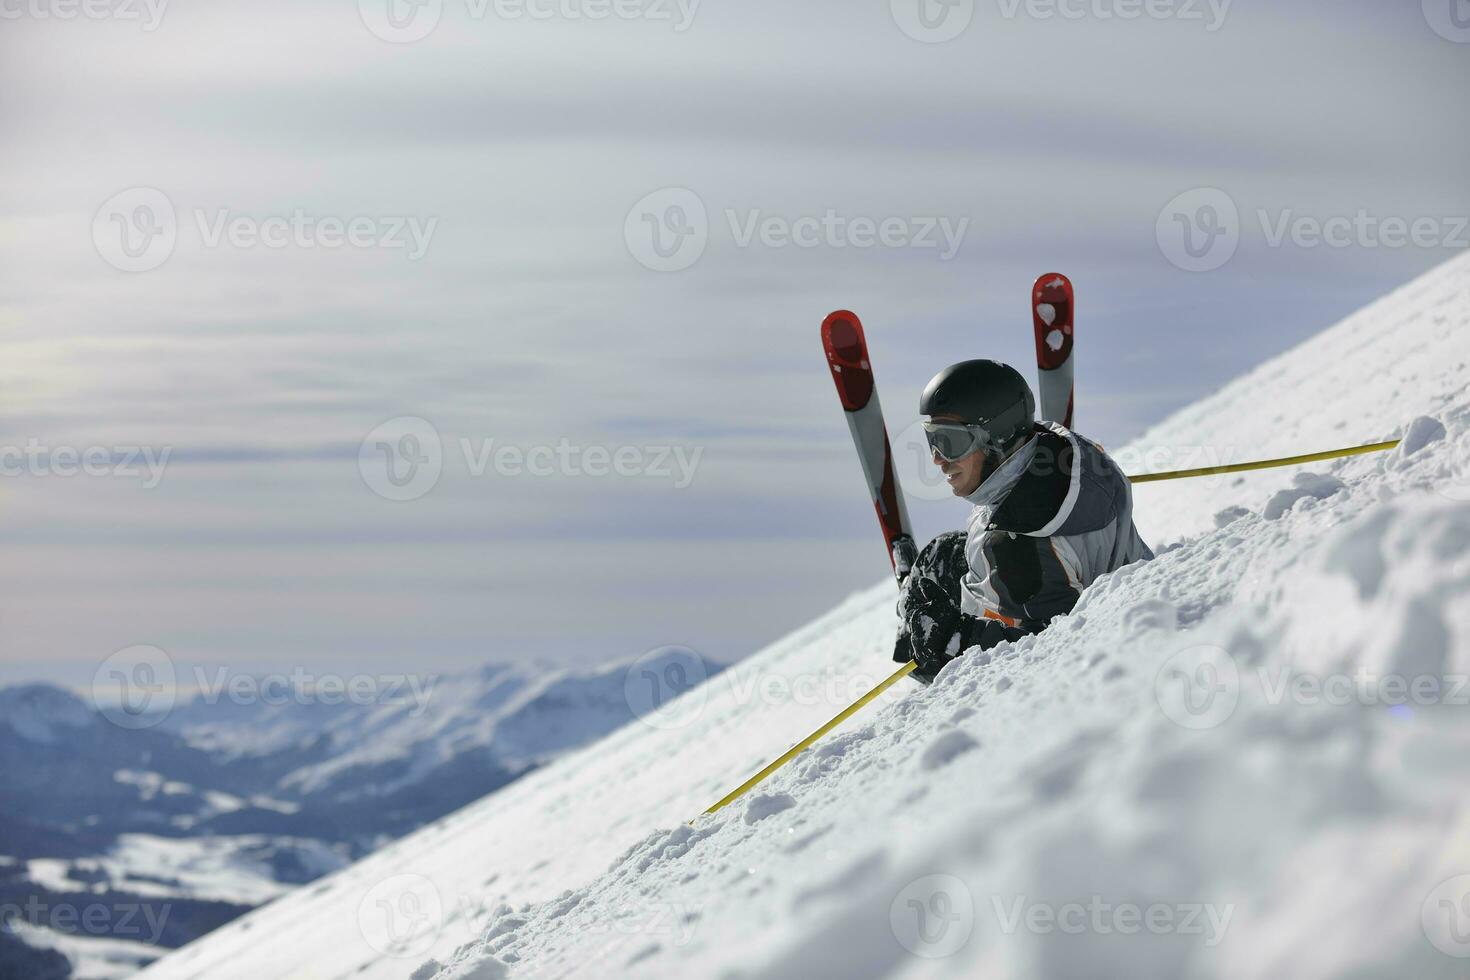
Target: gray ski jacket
<point>1056,515</point>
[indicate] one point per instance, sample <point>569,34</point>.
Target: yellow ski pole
<point>1377,447</point>
<point>805,743</point>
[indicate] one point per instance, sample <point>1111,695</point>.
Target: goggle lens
<point>951,440</point>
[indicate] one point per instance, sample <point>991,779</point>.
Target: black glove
<point>937,633</point>
<point>931,622</point>
<point>928,607</point>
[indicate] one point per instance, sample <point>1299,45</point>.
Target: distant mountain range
<point>225,803</point>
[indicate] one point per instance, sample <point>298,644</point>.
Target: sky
<point>413,336</point>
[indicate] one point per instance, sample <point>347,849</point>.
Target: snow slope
<point>1207,770</point>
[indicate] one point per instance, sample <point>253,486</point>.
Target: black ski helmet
<point>985,393</point>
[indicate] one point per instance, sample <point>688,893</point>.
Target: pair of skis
<point>852,371</point>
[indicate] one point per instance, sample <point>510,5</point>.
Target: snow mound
<point>1247,758</point>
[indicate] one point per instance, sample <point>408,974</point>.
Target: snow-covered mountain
<point>1247,758</point>
<point>227,803</point>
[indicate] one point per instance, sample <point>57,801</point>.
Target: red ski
<point>1051,314</point>
<point>847,356</point>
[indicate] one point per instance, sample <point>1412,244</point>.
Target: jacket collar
<point>994,489</point>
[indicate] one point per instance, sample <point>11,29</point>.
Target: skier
<point>1052,513</point>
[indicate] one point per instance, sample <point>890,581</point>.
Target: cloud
<point>529,321</point>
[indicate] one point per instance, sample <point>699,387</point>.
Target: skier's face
<point>963,475</point>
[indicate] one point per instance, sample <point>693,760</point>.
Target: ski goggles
<point>953,441</point>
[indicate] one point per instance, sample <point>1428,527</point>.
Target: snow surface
<point>1206,770</point>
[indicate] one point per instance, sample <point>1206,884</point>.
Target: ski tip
<point>1051,284</point>
<point>842,319</point>
<point>847,356</point>
<point>842,335</point>
<point>1051,314</point>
